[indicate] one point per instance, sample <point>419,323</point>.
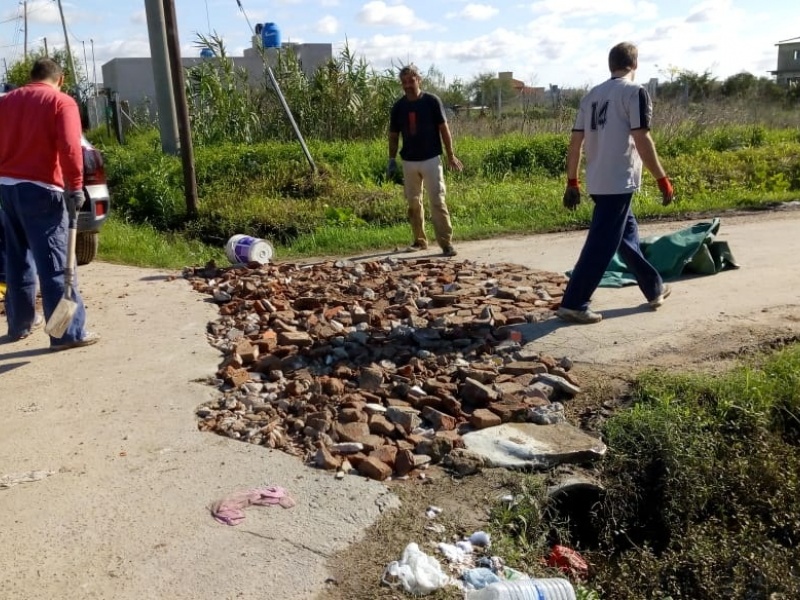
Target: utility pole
<point>179,92</point>
<point>85,62</point>
<point>66,42</point>
<point>25,25</point>
<point>46,53</point>
<point>94,83</point>
<point>165,101</point>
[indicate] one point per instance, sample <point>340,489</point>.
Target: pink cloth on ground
<point>230,510</point>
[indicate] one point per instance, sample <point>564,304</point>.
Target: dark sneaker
<point>449,251</point>
<point>579,316</point>
<point>416,247</point>
<point>88,339</point>
<point>38,321</point>
<point>659,300</point>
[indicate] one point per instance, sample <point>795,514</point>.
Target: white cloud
<point>479,12</point>
<point>634,9</point>
<point>699,17</point>
<point>327,25</point>
<point>329,3</point>
<point>39,11</point>
<point>381,14</point>
<point>131,48</point>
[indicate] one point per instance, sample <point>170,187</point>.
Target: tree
<point>19,72</point>
<point>739,85</point>
<point>689,85</point>
<point>451,94</point>
<point>486,89</point>
<point>456,93</point>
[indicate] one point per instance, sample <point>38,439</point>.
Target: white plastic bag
<point>417,572</point>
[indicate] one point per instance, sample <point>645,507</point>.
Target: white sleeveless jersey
<point>606,116</point>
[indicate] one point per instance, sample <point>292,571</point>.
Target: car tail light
<point>94,171</point>
<point>100,209</point>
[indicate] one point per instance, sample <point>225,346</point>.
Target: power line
<point>18,17</point>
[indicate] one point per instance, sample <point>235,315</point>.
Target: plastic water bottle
<point>526,589</point>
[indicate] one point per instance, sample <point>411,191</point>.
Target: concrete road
<point>124,514</point>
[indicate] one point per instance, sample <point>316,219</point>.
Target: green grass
<point>479,211</point>
<point>510,185</point>
<point>702,478</point>
<point>143,246</point>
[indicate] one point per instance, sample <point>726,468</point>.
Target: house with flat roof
<point>788,72</point>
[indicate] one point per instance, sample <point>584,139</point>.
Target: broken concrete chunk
<point>407,419</point>
<point>559,382</point>
<point>526,445</point>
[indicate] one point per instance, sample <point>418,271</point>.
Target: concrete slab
<point>531,446</point>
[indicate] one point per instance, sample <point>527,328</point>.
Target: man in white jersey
<point>613,129</point>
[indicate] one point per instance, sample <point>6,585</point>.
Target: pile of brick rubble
<point>378,366</point>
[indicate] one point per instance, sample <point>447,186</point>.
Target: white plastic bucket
<point>244,249</point>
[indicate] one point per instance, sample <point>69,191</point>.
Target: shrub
<point>542,154</point>
<point>701,483</point>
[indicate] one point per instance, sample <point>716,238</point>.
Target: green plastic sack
<point>691,250</point>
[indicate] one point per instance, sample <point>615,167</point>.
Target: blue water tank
<point>270,35</point>
<point>207,53</point>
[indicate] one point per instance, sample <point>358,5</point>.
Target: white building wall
<point>133,79</point>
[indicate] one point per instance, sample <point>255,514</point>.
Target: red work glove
<point>572,195</point>
<point>667,193</point>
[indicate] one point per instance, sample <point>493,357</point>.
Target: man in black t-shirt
<point>419,117</point>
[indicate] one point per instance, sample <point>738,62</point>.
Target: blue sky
<point>561,42</point>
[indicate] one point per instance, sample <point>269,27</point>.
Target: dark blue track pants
<point>613,228</point>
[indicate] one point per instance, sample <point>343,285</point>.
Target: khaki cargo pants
<point>431,174</point>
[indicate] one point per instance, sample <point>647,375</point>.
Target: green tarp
<point>694,250</point>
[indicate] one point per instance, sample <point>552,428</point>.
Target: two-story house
<point>788,72</point>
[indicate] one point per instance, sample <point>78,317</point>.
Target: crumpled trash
<point>495,563</point>
<point>230,510</point>
<point>510,574</point>
<point>459,553</point>
<point>7,481</point>
<point>433,512</point>
<point>568,561</point>
<point>481,538</point>
<point>416,571</point>
<point>479,578</point>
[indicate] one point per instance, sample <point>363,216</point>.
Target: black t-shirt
<point>418,122</point>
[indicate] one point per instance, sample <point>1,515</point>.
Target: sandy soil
<point>125,513</point>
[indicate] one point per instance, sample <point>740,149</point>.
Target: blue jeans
<point>35,227</point>
<point>2,247</point>
<point>613,229</point>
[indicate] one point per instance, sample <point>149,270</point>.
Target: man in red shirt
<point>41,170</point>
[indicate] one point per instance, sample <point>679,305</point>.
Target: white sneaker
<point>89,338</point>
<point>656,302</point>
<point>584,317</point>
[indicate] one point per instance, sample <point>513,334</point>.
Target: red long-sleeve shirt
<point>40,137</point>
